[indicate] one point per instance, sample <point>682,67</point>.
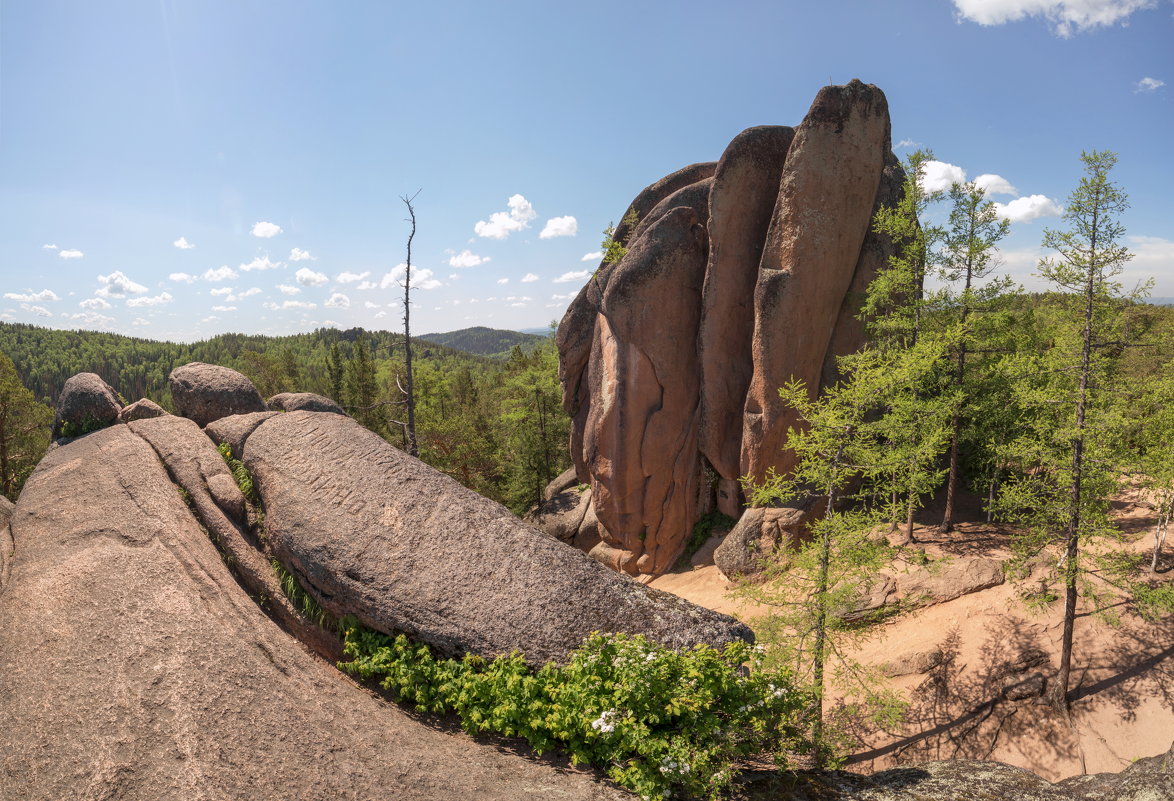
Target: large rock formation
<point>86,403</point>
<point>374,533</point>
<point>739,277</point>
<point>133,666</point>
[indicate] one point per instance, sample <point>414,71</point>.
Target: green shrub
<point>87,426</point>
<point>301,599</point>
<point>239,472</point>
<point>655,719</point>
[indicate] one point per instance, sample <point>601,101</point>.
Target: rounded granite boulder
<point>207,392</point>
<point>86,404</point>
<point>303,402</point>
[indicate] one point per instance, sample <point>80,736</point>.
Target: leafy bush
<point>87,426</point>
<point>655,719</point>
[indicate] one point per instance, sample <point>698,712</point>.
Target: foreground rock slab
<point>372,532</point>
<point>134,667</point>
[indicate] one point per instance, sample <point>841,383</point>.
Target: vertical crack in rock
<point>193,463</point>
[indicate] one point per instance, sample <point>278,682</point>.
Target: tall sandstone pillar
<point>740,276</point>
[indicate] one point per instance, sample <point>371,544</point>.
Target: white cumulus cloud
<point>503,223</point>
<point>117,285</point>
<point>369,305</point>
<point>220,291</point>
<point>291,304</point>
<point>261,263</point>
<point>183,244</point>
<point>33,297</point>
<point>159,300</point>
<point>421,279</point>
<point>596,256</point>
<point>338,301</point>
<point>995,185</point>
<point>367,285</point>
<point>307,277</point>
<point>266,230</point>
<point>40,311</point>
<point>467,258</point>
<point>49,247</point>
<point>70,254</point>
<point>286,289</point>
<point>939,176</point>
<point>503,280</point>
<point>93,319</point>
<point>577,275</point>
<point>297,254</point>
<point>1029,207</point>
<point>350,278</point>
<point>559,226</point>
<point>94,304</point>
<point>223,308</point>
<point>182,278</point>
<point>1066,16</point>
<point>529,278</point>
<point>1148,84</point>
<point>221,273</point>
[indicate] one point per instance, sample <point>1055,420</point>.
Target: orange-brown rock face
<point>740,276</point>
<point>741,203</point>
<point>823,213</point>
<point>640,440</point>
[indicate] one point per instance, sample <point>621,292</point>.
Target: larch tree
<point>1069,455</point>
<point>968,256</point>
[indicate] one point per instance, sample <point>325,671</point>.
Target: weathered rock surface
<point>745,189</point>
<point>761,533</point>
<point>86,401</point>
<point>826,196</point>
<point>207,392</point>
<point>133,666</point>
<point>953,780</point>
<point>6,546</point>
<point>640,444</point>
<point>235,429</point>
<point>562,515</point>
<point>303,402</point>
<point>787,255</point>
<point>142,409</point>
<point>946,581</point>
<point>370,531</point>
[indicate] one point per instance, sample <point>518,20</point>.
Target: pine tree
<point>24,430</point>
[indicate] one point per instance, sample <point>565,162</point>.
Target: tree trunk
<point>825,551</point>
<point>410,390</point>
<point>1073,533</point>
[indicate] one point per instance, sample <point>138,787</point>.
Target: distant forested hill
<point>138,368</point>
<point>486,341</point>
<point>494,424</point>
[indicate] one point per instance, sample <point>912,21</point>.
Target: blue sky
<point>181,168</point>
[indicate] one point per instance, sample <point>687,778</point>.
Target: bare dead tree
<point>409,391</point>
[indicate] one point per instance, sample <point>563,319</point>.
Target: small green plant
<point>659,721</point>
<point>702,530</point>
<point>615,249</point>
<point>239,473</point>
<point>88,425</point>
<point>581,488</point>
<point>187,497</point>
<point>301,599</point>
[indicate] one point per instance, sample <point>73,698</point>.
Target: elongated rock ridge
<point>739,276</point>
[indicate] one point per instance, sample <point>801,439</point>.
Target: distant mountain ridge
<point>484,341</point>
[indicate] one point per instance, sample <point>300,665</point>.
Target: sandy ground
<point>1123,676</point>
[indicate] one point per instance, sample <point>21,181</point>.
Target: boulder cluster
<point>150,646</point>
<point>739,275</point>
